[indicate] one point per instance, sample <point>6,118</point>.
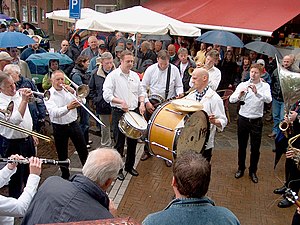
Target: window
<point>60,23</point>
<point>34,14</point>
<point>42,13</point>
<point>105,8</point>
<point>24,13</point>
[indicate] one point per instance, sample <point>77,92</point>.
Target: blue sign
<point>75,9</point>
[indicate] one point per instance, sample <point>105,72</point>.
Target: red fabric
<point>255,14</point>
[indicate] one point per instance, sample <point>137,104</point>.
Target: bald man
<point>172,53</point>
<point>212,105</point>
<point>92,50</point>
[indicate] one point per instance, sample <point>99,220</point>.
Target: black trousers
<point>253,128</point>
<point>61,134</point>
<point>24,147</point>
<point>120,140</point>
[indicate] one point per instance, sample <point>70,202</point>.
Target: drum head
<point>187,105</point>
<point>135,120</point>
<point>195,134</point>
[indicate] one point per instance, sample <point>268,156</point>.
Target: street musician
<point>163,79</point>
<point>15,142</point>
<point>63,116</point>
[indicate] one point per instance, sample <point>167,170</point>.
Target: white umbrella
<point>138,19</point>
<point>63,15</point>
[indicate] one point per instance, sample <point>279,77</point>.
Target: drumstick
<point>133,118</point>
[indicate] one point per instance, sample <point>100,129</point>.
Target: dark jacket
<point>275,86</point>
<point>186,76</point>
<point>145,60</point>
<point>67,68</point>
<point>34,69</point>
<point>59,200</point>
<point>80,76</point>
<point>229,74</point>
<point>96,91</point>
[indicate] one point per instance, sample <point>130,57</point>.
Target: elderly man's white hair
<point>102,164</point>
<point>12,68</point>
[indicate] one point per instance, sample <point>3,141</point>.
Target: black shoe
<point>121,176</point>
<point>280,191</point>
<point>145,156</point>
<point>253,177</point>
<point>239,174</point>
<point>284,203</point>
<point>133,172</point>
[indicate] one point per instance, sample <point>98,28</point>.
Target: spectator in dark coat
<point>81,198</point>
<point>103,109</point>
<point>65,49</point>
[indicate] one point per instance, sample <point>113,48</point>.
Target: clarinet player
<point>250,119</point>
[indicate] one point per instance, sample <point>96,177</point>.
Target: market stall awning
<point>138,19</point>
<point>250,17</point>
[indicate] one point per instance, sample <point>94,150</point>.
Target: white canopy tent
<point>63,15</point>
<point>138,19</point>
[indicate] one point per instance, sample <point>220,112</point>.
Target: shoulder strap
<point>168,82</point>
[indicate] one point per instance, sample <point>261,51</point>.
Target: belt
<point>19,140</point>
<point>67,125</point>
<point>251,119</point>
<point>117,109</point>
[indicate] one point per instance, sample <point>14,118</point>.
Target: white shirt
<point>123,86</point>
<point>11,207</point>
<point>254,103</point>
<point>182,68</point>
<point>212,104</point>
<point>15,118</point>
<point>57,107</point>
<point>214,78</point>
<point>155,79</point>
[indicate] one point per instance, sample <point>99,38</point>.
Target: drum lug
<point>161,157</point>
<point>162,146</point>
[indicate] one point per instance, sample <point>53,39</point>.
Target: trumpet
<point>83,106</point>
<point>64,163</point>
<point>198,65</point>
<point>82,91</point>
<point>46,95</point>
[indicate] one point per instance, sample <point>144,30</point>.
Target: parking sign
<point>75,9</point>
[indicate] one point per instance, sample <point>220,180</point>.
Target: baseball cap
<point>102,46</point>
<point>129,41</point>
<point>5,56</point>
<point>260,61</point>
<point>118,49</point>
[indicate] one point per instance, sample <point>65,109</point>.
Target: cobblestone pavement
<point>254,204</point>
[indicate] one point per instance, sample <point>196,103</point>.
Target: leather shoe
<point>284,203</point>
<point>253,177</point>
<point>280,191</point>
<point>145,156</point>
<point>239,174</point>
<point>121,176</point>
<point>133,172</point>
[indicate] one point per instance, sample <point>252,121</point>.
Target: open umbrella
<point>14,39</point>
<point>263,48</point>
<point>42,59</point>
<point>221,37</point>
<point>4,17</point>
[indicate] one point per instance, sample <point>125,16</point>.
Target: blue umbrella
<point>221,37</point>
<point>4,17</point>
<point>14,39</point>
<point>42,59</point>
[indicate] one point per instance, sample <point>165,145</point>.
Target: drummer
<point>212,105</point>
<point>155,79</point>
<point>123,91</point>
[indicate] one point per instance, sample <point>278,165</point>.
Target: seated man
<point>191,177</point>
<point>12,207</point>
<point>81,198</point>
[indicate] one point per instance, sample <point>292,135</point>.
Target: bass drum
<point>171,132</point>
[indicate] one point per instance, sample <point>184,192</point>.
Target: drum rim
<point>140,129</point>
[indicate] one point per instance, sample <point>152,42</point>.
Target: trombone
<point>82,91</point>
<point>81,95</point>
